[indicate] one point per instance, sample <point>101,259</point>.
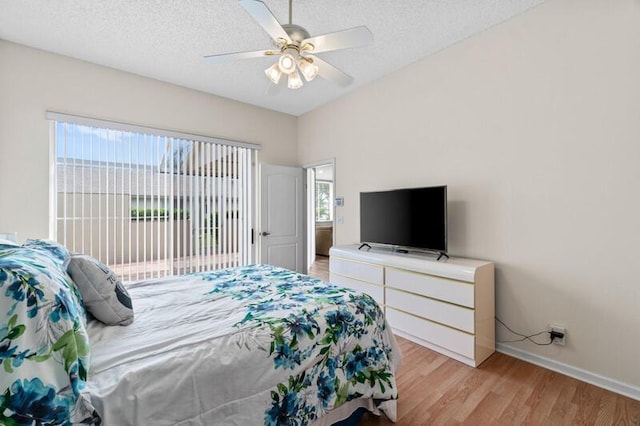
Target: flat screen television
<point>406,218</point>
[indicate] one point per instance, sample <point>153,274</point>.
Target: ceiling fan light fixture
<point>308,68</point>
<point>274,73</point>
<point>295,81</point>
<point>287,61</point>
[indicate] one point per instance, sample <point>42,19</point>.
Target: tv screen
<point>413,218</point>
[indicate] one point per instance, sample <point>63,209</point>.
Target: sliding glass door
<point>152,205</point>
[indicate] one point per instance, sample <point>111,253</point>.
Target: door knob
<point>264,234</point>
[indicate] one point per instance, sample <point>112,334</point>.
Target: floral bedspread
<point>44,347</point>
<point>243,346</point>
<point>341,332</point>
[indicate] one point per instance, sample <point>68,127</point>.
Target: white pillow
<point>102,291</point>
<point>5,242</point>
<point>9,236</point>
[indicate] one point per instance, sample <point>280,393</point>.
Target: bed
<point>244,346</point>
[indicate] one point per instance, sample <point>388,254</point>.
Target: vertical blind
<point>151,205</point>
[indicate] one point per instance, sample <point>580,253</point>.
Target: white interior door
<point>282,217</point>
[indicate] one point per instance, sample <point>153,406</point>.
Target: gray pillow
<point>102,291</point>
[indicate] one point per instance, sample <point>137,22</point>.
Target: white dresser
<point>447,306</point>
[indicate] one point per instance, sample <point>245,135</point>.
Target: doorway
<point>320,213</point>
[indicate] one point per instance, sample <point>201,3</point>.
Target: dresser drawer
<point>452,291</point>
<point>452,315</point>
<point>358,270</point>
<point>377,292</point>
<point>445,337</point>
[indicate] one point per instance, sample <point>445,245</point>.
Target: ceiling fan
<point>295,48</point>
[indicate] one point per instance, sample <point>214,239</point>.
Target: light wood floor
<point>436,390</point>
<point>320,268</point>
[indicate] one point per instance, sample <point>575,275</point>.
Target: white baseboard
<point>625,389</point>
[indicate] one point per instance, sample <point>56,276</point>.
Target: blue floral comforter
<point>245,346</point>
<point>44,346</point>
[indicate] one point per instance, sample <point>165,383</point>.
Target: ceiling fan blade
<point>331,73</point>
<point>263,16</point>
<point>353,37</point>
<point>227,57</point>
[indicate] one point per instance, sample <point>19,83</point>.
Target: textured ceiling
<point>166,39</point>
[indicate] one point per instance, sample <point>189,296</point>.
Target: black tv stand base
<point>442,254</point>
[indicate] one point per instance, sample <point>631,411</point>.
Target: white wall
<point>534,125</point>
<point>33,81</point>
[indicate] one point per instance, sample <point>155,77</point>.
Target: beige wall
<point>33,81</point>
<point>535,127</point>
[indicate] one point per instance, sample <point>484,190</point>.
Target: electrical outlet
<point>558,329</point>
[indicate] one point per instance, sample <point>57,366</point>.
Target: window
<point>151,205</point>
<point>324,195</point>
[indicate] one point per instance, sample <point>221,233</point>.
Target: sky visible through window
<point>84,143</point>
